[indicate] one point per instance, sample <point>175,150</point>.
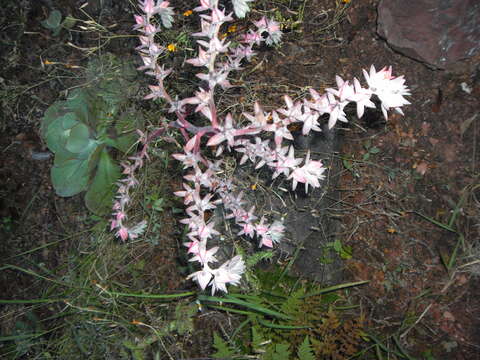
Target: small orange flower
<point>47,62</point>
<point>172,47</point>
<point>232,28</point>
<point>188,13</point>
<point>391,230</point>
<point>346,1</point>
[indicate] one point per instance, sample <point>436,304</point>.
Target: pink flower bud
<point>123,233</point>
<point>113,225</point>
<point>120,216</point>
<point>139,20</point>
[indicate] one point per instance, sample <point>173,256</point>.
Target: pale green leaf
<point>56,136</point>
<point>70,178</point>
<point>53,21</point>
<point>82,103</point>
<point>78,138</point>
<point>100,194</point>
<point>53,112</point>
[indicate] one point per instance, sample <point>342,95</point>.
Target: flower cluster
<point>206,185</point>
<point>122,198</point>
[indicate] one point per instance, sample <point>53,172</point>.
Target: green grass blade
<point>435,222</point>
<point>384,348</point>
<point>232,310</point>
<point>458,207</point>
<point>348,307</point>
<point>33,273</point>
<point>453,257</point>
<point>239,328</point>
<point>31,301</point>
<point>288,267</point>
<point>335,288</point>
<point>246,304</point>
<point>281,327</point>
<point>402,350</point>
<point>19,337</point>
<point>152,296</point>
<point>245,296</point>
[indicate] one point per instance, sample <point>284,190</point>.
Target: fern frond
<point>305,351</point>
<point>254,259</point>
<point>257,338</point>
<point>278,352</point>
<point>293,303</point>
<point>224,351</point>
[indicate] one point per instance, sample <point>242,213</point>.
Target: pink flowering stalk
<point>118,223</point>
<point>205,186</point>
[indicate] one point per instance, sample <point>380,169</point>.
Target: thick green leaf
<point>113,80</point>
<point>64,155</point>
<point>123,143</point>
<point>124,135</point>
<point>53,21</point>
<point>71,173</point>
<point>69,122</point>
<point>56,136</point>
<point>53,112</point>
<point>100,194</point>
<point>82,103</point>
<point>71,177</point>
<point>78,138</point>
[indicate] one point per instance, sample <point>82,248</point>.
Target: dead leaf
<point>462,279</point>
<point>448,316</point>
<point>450,152</point>
<point>421,167</point>
<point>466,124</point>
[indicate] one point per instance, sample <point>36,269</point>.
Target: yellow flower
<point>47,62</point>
<point>346,1</point>
<point>188,13</point>
<point>253,187</point>
<point>232,28</point>
<point>172,47</point>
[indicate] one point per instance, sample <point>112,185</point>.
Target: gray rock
<point>309,226</point>
<point>436,32</point>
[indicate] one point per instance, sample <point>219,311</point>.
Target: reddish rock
<point>436,32</point>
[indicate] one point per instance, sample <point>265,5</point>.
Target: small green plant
<point>344,251</point>
<point>349,163</point>
<point>55,24</point>
<point>288,319</point>
<point>370,150</point>
<point>83,130</point>
<point>6,223</point>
